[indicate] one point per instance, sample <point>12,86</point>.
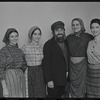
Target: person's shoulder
<point>26,45</point>
<point>3,50</point>
<point>48,41</point>
<point>69,35</point>
<point>90,42</point>
<point>89,35</point>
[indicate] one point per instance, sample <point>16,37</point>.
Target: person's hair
<point>13,31</point>
<point>95,20</point>
<point>81,23</point>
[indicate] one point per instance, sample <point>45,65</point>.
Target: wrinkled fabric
<point>77,74</point>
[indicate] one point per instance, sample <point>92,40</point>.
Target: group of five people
<point>63,66</point>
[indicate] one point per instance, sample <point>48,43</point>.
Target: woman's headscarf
<point>8,32</point>
<point>31,31</point>
<point>81,24</point>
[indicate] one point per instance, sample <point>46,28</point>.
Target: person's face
<point>95,29</point>
<point>59,34</point>
<point>36,36</point>
<point>13,38</point>
<point>76,27</point>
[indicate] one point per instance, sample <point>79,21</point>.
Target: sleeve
<point>2,64</point>
<point>23,48</point>
<point>24,66</point>
<point>90,37</point>
<point>46,63</point>
<point>68,57</point>
<point>68,54</point>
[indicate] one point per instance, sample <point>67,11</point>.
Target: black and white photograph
<point>49,49</point>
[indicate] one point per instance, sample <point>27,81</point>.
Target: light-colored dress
<point>93,70</point>
<point>12,66</point>
<point>33,55</point>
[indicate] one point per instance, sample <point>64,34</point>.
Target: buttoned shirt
<point>93,52</point>
<point>33,53</point>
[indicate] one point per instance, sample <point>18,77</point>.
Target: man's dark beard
<point>60,39</point>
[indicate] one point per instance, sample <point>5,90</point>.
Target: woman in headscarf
<point>77,46</point>
<point>33,52</point>
<point>93,53</point>
<point>12,66</point>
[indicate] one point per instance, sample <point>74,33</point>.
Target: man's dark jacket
<point>54,64</point>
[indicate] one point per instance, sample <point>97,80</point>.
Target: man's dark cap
<point>58,24</point>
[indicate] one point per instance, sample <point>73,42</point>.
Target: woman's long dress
<point>93,70</point>
<point>77,47</point>
<point>12,66</point>
<point>33,54</point>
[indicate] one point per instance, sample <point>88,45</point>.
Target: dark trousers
<point>57,91</point>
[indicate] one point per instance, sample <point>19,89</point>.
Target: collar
<point>9,45</point>
<point>34,43</point>
<point>77,34</point>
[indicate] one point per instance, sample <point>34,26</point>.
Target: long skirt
<point>93,81</point>
<point>15,81</point>
<point>77,75</point>
<point>36,85</point>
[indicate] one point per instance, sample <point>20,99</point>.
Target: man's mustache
<point>60,34</point>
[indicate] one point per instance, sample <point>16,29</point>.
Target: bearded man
<point>55,62</point>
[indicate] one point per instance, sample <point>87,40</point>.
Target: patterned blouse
<point>93,52</point>
<point>11,57</point>
<point>33,53</point>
